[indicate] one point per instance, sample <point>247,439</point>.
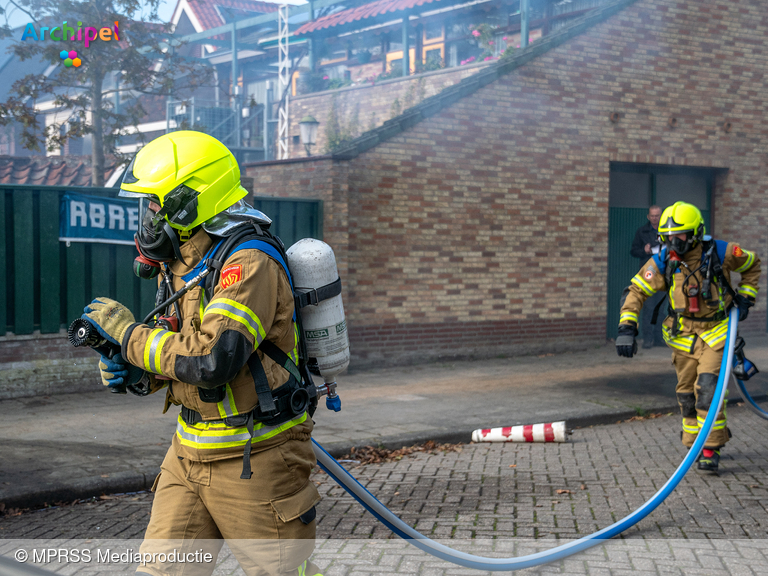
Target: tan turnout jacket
<point>252,301</point>
<point>650,280</point>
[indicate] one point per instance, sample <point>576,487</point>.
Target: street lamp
<point>308,126</point>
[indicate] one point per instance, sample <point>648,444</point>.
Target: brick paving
<point>509,499</point>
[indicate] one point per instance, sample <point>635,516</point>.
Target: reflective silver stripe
<point>153,350</point>
<point>225,402</point>
<point>243,437</point>
<point>222,437</point>
<point>256,328</point>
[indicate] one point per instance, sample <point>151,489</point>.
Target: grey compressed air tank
<point>313,265</point>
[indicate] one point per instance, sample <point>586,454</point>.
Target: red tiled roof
<point>42,171</point>
<point>208,16</point>
<point>360,13</point>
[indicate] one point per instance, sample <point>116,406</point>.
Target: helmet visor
<point>150,222</point>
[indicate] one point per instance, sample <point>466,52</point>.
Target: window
<point>434,54</point>
<point>433,32</point>
<point>395,59</point>
<point>335,54</point>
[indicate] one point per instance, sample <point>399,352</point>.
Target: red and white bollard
<point>550,432</point>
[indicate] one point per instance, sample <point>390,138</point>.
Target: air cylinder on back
<point>313,265</point>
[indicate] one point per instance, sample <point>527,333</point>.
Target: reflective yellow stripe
<point>628,317</point>
<point>240,313</point>
<point>748,290</point>
<point>691,429</point>
<point>671,291</point>
<point>748,263</point>
<point>719,424</point>
<point>643,285</point>
<point>217,435</point>
<point>682,343</point>
<point>153,348</point>
<point>717,334</point>
<point>294,355</point>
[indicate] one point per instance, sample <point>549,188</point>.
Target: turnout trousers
<point>697,374</point>
<point>267,521</point>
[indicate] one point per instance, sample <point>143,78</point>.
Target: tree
<point>125,62</point>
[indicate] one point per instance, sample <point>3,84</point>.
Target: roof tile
<point>369,10</point>
<point>43,171</point>
<point>208,16</point>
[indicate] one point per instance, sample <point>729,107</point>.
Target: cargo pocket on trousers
<point>295,526</point>
<point>289,508</point>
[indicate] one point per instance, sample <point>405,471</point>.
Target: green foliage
<point>339,131</point>
<point>410,95</point>
<point>395,72</point>
<point>429,66</point>
<point>395,109</point>
<point>336,83</point>
<point>142,63</point>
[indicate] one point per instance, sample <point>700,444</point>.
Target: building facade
<point>484,221</point>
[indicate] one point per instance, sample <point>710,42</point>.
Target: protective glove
<point>626,345</point>
<point>116,371</point>
<point>110,318</point>
<point>744,303</point>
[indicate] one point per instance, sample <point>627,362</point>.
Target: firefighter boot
<point>709,460</point>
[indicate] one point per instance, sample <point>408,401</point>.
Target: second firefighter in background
<point>695,271</point>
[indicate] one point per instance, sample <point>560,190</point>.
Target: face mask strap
<point>174,242</point>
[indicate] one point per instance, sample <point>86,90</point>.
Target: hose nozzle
<point>82,333</point>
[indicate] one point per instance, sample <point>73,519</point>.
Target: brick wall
<point>373,101</point>
<point>318,178</point>
<point>43,364</point>
<point>483,229</point>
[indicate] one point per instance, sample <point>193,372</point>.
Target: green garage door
<point>633,189</point>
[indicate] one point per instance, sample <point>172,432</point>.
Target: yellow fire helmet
<point>181,179</point>
<point>190,175</point>
<point>681,218</point>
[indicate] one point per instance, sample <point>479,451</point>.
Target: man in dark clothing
<point>645,245</point>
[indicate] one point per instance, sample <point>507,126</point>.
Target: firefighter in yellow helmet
<point>695,271</point>
<point>239,464</point>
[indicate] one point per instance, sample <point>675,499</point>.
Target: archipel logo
<point>64,32</point>
<point>70,58</point>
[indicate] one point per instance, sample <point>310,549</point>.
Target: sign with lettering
<point>97,219</point>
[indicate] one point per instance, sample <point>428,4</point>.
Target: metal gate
<point>47,282</point>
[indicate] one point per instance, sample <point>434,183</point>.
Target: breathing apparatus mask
<point>679,245</point>
<point>156,240</point>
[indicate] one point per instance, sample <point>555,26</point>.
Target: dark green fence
<point>47,283</point>
<point>294,218</point>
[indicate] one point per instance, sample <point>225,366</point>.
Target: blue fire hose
<point>369,501</point>
<point>750,402</point>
